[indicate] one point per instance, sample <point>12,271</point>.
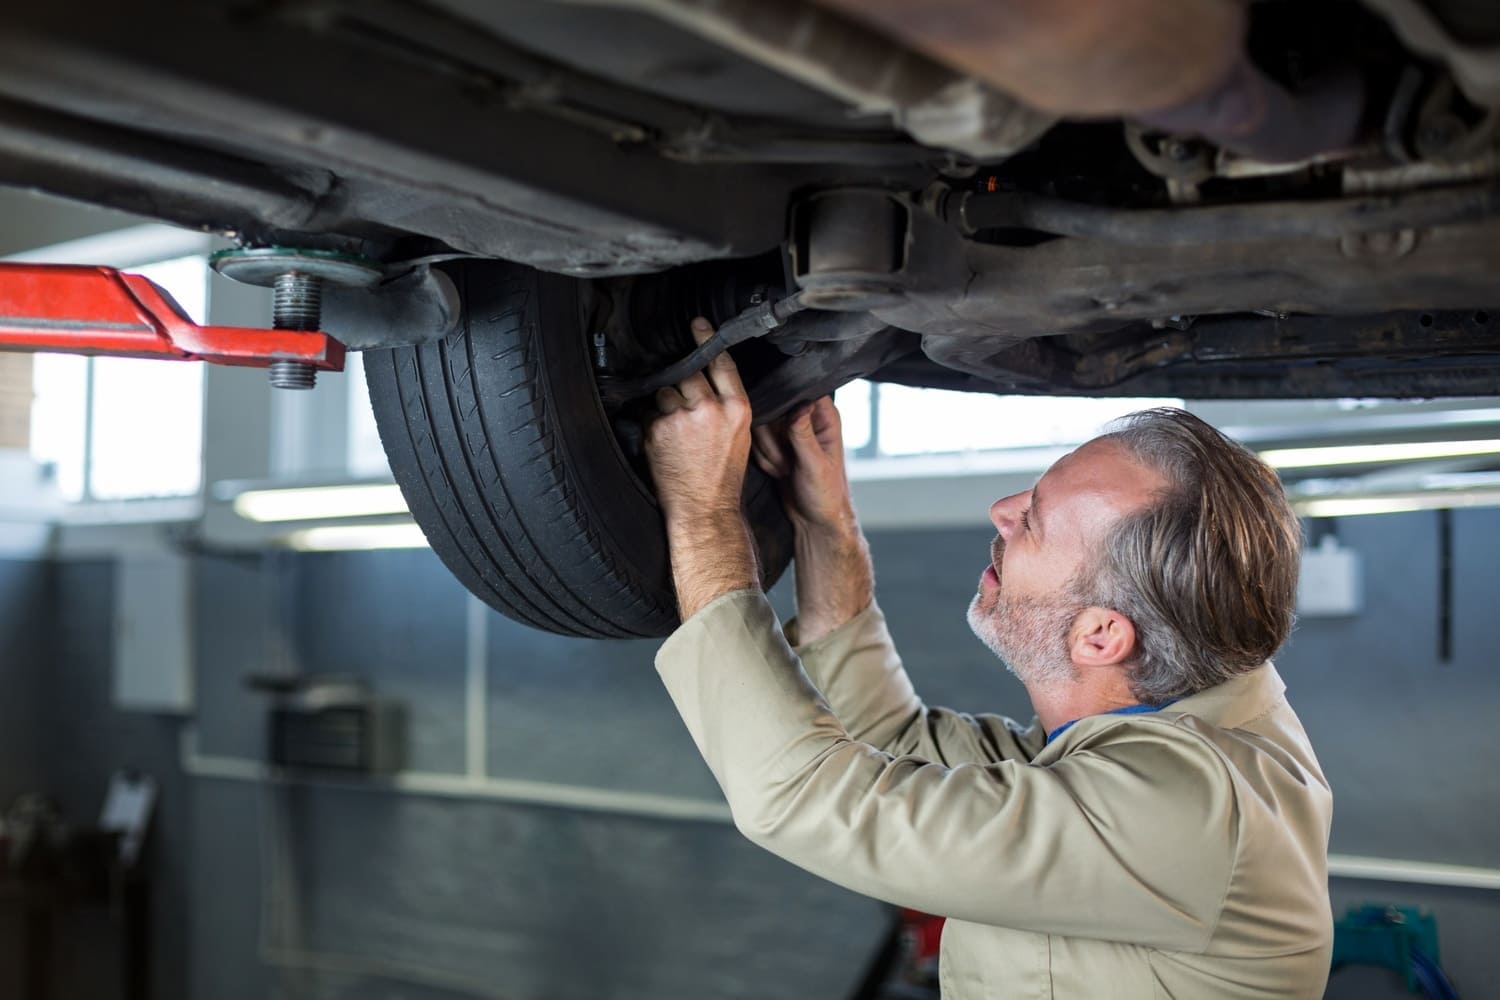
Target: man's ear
<point>1101,637</point>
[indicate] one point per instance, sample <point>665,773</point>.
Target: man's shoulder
<point>1155,742</point>
<point>1261,772</point>
<point>1236,702</point>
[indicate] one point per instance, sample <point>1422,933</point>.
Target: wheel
<point>506,458</point>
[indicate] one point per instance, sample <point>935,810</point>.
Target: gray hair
<point>1207,572</point>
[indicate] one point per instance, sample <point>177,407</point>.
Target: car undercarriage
<point>1206,199</point>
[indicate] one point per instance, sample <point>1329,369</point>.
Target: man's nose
<point>1005,513</point>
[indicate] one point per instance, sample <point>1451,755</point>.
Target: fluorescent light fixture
<point>1459,481</point>
<point>1394,503</point>
<point>1364,454</point>
<point>347,537</point>
<point>318,502</point>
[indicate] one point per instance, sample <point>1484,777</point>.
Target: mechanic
<point>1160,830</point>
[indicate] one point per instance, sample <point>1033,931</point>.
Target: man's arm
<point>805,453</point>
<point>1131,838</point>
<point>859,673</point>
<point>841,635</point>
<point>698,448</point>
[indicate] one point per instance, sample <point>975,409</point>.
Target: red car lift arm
<point>98,310</point>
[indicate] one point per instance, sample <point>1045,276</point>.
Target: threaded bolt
<point>296,304</point>
<point>293,375</point>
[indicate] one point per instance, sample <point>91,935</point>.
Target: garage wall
<point>359,891</point>
<point>526,901</point>
<point>1405,738</point>
<point>82,740</point>
<point>25,656</point>
<point>1408,742</point>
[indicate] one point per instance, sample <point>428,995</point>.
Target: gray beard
<point>1029,636</point>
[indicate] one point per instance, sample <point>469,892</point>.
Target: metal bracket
<point>101,311</point>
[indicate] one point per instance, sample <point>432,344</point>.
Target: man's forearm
<point>712,555</point>
<point>835,579</point>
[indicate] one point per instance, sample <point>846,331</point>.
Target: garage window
<point>880,421</point>
<point>895,421</point>
<point>366,455</point>
<point>125,428</point>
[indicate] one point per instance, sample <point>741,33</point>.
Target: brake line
<point>757,321</point>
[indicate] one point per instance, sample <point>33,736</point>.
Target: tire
<point>506,458</point>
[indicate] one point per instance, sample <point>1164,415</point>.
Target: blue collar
<point>1127,710</point>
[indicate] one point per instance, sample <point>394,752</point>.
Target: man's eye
<point>1026,519</point>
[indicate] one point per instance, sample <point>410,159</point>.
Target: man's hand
<point>805,452</point>
<point>698,449</point>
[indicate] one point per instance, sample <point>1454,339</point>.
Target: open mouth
<point>997,552</point>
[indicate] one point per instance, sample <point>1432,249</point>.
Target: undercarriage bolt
<point>296,304</point>
<point>1178,150</point>
<point>292,375</point>
<point>296,278</point>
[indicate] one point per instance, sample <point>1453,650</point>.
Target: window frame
<point>127,249</point>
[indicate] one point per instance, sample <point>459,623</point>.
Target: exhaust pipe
<point>1178,65</point>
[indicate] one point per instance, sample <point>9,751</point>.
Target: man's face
<point>1047,535</point>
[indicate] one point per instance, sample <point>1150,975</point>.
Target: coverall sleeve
<point>1131,840</point>
<point>857,669</point>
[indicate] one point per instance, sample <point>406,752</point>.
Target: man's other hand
<point>805,453</point>
<point>698,448</point>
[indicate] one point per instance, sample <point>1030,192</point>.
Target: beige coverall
<point>1179,854</point>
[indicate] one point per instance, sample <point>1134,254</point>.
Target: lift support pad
<point>101,311</point>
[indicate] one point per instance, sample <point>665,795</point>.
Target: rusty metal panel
<point>1072,57</point>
